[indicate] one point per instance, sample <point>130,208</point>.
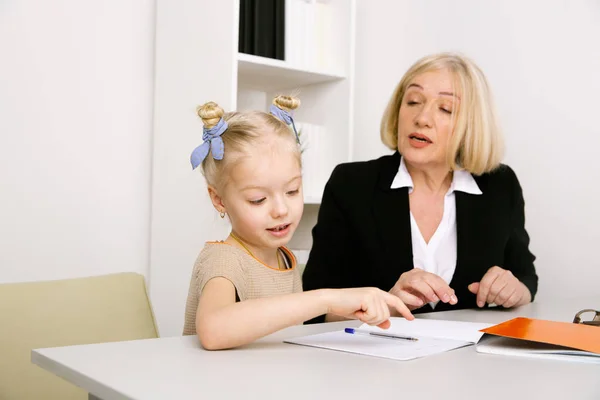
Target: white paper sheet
<point>435,336</point>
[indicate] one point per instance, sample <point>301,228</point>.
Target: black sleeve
<point>519,260</point>
<point>328,265</point>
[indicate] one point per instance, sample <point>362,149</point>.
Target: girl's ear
<point>216,199</point>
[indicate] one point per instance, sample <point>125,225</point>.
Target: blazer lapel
<point>392,222</point>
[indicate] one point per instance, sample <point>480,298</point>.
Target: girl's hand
<point>370,305</point>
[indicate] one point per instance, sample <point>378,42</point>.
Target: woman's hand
<point>417,287</point>
<point>370,305</point>
<point>501,287</point>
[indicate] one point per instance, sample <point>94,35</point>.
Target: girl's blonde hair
<point>476,145</point>
<point>244,130</point>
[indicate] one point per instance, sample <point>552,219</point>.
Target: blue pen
<point>378,334</point>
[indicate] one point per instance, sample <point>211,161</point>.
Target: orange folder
<point>566,334</point>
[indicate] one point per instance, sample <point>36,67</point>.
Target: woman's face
<point>425,118</point>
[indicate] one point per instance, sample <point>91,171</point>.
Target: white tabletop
<point>178,368</point>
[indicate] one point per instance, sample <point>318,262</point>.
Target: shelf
<point>267,74</point>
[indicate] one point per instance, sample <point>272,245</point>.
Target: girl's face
<point>263,196</point>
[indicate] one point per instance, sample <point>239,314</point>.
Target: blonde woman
<point>440,223</point>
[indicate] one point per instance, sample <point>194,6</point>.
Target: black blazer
<point>363,235</point>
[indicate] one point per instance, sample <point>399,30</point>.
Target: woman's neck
<point>434,180</point>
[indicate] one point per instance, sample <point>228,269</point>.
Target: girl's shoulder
<point>219,259</point>
<point>220,252</point>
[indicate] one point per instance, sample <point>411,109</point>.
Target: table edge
<point>71,376</point>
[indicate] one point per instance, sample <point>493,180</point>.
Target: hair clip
<point>285,116</point>
<point>212,141</point>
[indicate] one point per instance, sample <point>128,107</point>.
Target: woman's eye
<point>412,102</point>
<point>446,110</point>
<point>293,192</point>
<point>256,202</point>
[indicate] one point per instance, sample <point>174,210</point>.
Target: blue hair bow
<point>285,116</point>
<point>212,141</point>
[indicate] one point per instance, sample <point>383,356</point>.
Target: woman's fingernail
<point>480,303</point>
<point>435,298</point>
<point>446,298</point>
<point>454,299</point>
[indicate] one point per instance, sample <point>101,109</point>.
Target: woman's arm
<point>515,282</point>
<point>519,260</point>
<point>222,323</point>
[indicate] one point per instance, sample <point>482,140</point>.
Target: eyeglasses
<point>587,317</point>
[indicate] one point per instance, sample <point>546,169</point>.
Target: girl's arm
<point>222,323</point>
<point>334,318</point>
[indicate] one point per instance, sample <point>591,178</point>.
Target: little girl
<point>248,286</point>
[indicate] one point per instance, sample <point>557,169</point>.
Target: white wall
<point>542,59</point>
<point>76,93</point>
<point>76,81</point>
<point>192,67</point>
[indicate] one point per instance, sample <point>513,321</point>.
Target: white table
<point>178,368</point>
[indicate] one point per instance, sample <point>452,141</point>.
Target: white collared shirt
<point>439,255</point>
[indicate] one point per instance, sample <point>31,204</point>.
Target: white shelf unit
<point>324,86</point>
<point>272,75</point>
<point>197,60</point>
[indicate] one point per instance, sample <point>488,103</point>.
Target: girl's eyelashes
<point>263,199</point>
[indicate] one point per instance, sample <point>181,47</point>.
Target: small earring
<point>222,214</point>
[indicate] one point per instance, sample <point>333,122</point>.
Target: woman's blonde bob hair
<point>476,144</point>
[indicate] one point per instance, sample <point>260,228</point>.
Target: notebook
<point>527,337</point>
<point>434,337</point>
